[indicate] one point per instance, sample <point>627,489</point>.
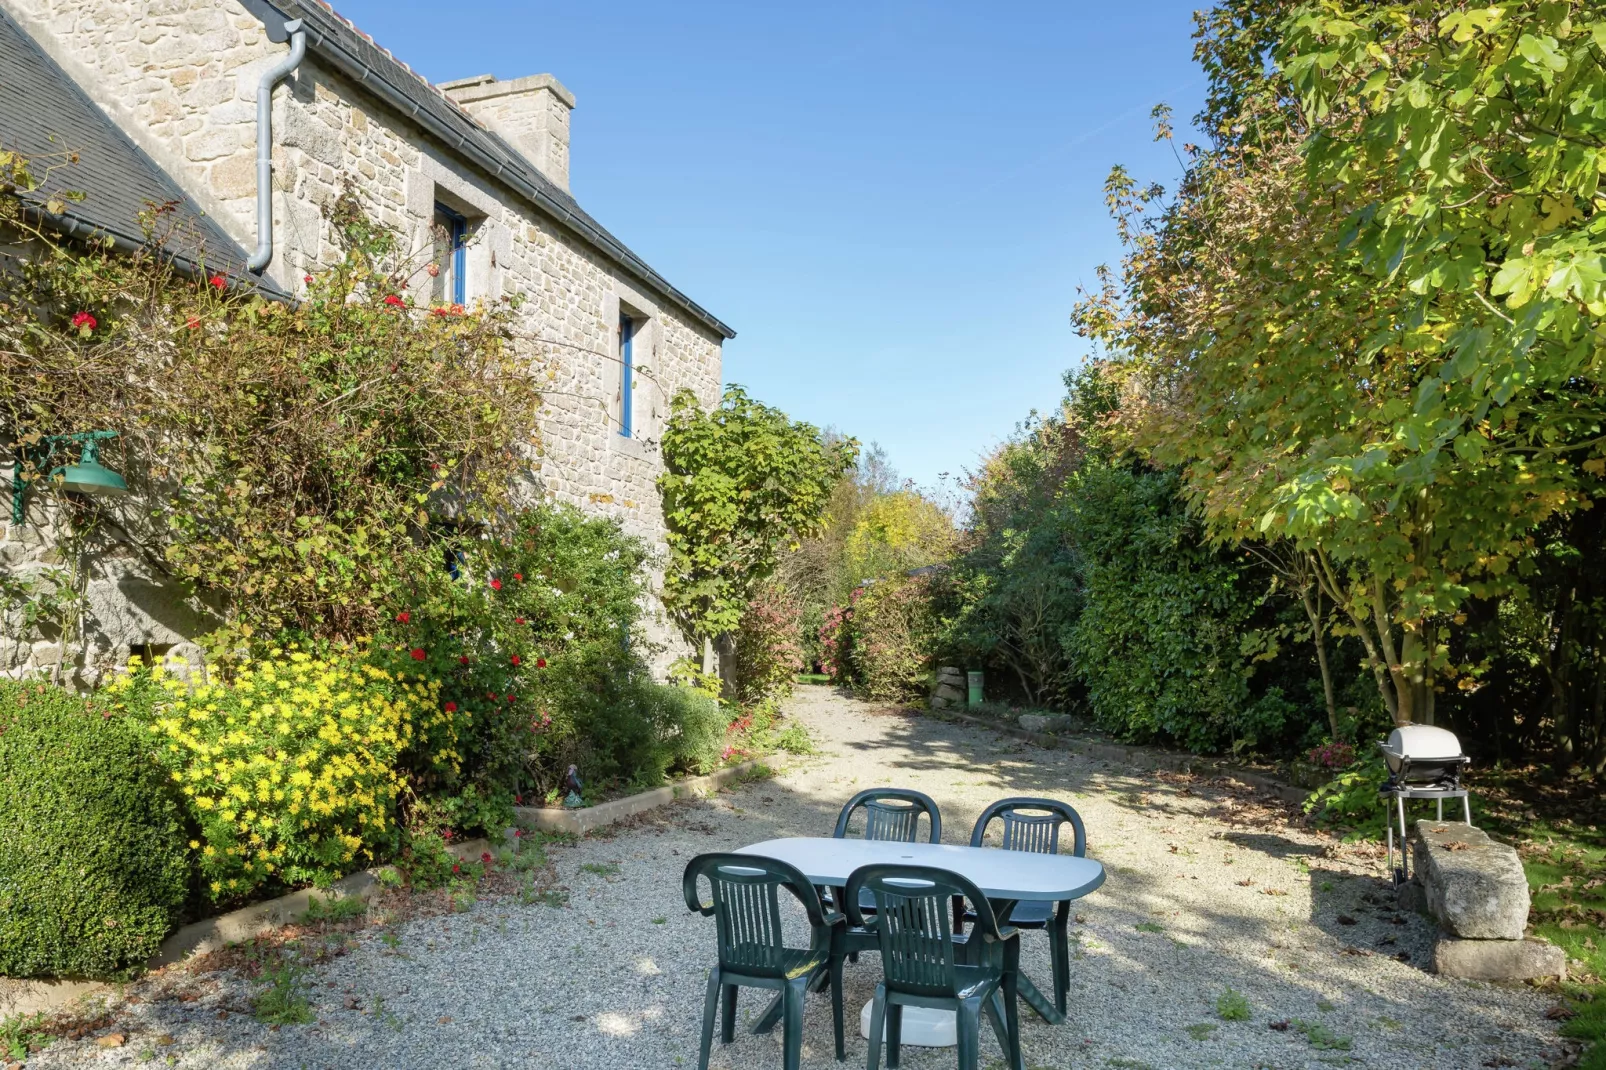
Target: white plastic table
<point>1004,877</point>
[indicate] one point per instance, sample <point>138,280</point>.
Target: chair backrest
<point>891,814</point>
<point>746,908</point>
<point>912,923</point>
<point>1032,825</point>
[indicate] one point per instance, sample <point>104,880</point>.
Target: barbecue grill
<point>1424,763</point>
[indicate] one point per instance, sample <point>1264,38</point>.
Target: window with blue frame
<point>451,255</point>
<point>627,371</point>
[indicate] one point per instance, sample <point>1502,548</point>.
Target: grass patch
<point>334,909</point>
<point>1149,927</point>
<point>284,1001</point>
<point>813,678</point>
<point>1202,1031</point>
<point>795,739</point>
<point>22,1035</point>
<point>1320,1037</point>
<point>601,869</point>
<point>1231,1006</point>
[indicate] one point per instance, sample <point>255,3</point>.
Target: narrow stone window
<point>627,370</point>
<point>451,231</point>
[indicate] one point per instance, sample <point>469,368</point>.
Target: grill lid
<point>1423,746</point>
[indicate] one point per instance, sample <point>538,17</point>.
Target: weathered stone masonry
<point>180,76</point>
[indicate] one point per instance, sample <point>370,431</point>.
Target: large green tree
<point>741,480</point>
<point>1369,321</point>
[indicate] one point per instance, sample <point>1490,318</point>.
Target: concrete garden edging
<point>586,819</point>
<point>19,996</point>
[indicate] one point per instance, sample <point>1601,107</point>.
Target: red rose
<point>218,281</point>
<point>404,616</point>
<point>540,663</point>
<point>462,659</point>
<point>84,322</point>
<point>393,300</point>
<point>418,653</point>
<point>518,620</point>
<point>486,858</point>
<point>515,659</point>
<point>193,323</point>
<point>510,698</point>
<point>451,707</point>
<point>456,868</point>
<point>496,585</point>
<point>519,576</point>
<point>307,279</point>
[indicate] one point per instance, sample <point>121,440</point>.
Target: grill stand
<point>1399,793</point>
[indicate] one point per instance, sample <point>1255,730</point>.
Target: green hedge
<point>93,868</point>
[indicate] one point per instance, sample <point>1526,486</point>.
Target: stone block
<point>1045,722</point>
<point>1474,886</point>
<point>1498,960</point>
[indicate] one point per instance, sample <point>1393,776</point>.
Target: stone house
<point>477,168</point>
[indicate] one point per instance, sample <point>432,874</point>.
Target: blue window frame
<point>456,228</point>
<point>627,330</point>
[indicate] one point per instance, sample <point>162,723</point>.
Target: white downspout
<point>270,78</point>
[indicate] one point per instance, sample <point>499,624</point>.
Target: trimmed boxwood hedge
<point>93,863</point>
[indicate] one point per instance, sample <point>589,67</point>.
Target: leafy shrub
<point>93,869</point>
<point>626,729</point>
<point>539,635</point>
<point>290,768</point>
<point>1350,800</point>
<point>1166,623</point>
<point>768,653</point>
<point>836,643</point>
<point>894,634</point>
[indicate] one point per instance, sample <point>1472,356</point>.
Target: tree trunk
<point>1310,598</point>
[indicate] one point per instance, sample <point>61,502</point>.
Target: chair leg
<point>878,1021</point>
<point>710,1007</point>
<point>792,1023</point>
<point>836,1008</point>
<point>959,915</point>
<point>993,1006</point>
<point>969,1023</point>
<point>894,1034</point>
<point>1010,989</point>
<point>727,1020</point>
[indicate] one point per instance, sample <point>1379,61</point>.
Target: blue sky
<point>891,202</point>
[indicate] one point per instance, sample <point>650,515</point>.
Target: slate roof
<point>339,43</point>
<point>45,116</point>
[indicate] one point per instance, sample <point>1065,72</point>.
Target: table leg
<point>1028,991</point>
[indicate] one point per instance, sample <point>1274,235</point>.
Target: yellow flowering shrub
<point>290,768</point>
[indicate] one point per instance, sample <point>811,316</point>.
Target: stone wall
<point>181,77</point>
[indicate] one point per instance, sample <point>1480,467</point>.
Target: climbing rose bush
<point>290,767</point>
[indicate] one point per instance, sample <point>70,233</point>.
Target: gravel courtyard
<point>1228,894</point>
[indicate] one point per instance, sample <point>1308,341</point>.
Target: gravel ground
<point>1230,894</point>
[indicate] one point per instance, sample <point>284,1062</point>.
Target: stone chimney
<point>531,113</point>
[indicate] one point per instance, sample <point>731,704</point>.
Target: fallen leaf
<point>166,1039</point>
<point>111,1040</point>
<point>1273,891</point>
<point>351,1003</point>
<point>1281,1027</point>
<point>1456,845</point>
<point>1345,919</point>
<point>1560,1013</point>
<point>222,1016</point>
<point>1246,882</point>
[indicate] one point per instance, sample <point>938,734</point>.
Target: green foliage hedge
<point>93,864</point>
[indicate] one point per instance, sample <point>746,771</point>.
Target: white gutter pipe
<point>270,79</point>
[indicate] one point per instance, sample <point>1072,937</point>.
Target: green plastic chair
<point>924,965</point>
<point>747,915</point>
<point>889,814</point>
<point>1034,825</point>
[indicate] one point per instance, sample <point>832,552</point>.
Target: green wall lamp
<point>88,476</point>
